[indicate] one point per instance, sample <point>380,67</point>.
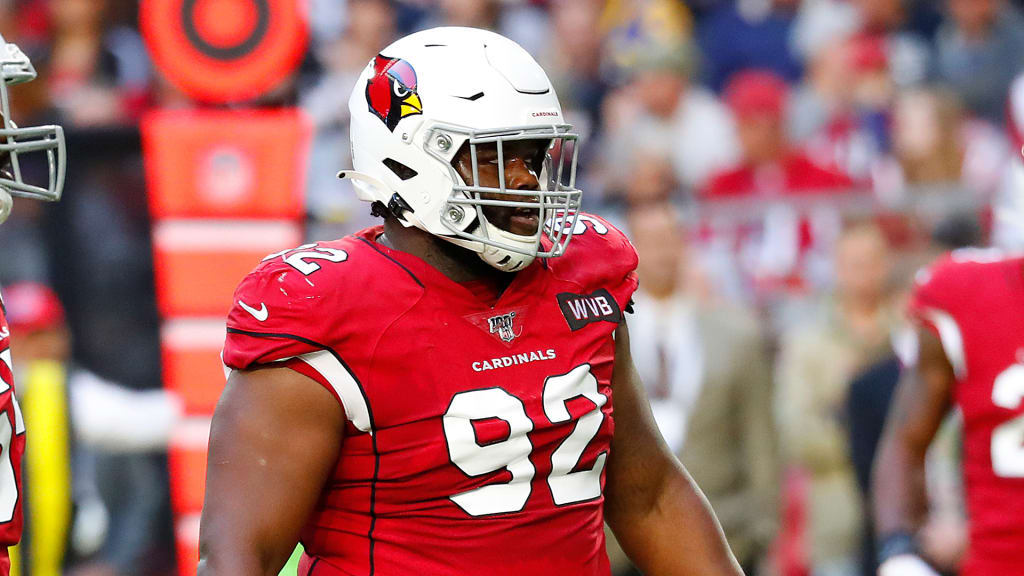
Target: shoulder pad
<point>599,256</point>
<point>936,285</point>
<point>277,309</point>
<point>951,277</point>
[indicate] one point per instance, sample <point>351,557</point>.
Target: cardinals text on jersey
<point>472,446</point>
<point>974,301</point>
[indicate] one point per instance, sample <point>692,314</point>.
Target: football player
<point>15,143</point>
<point>970,312</point>
<point>434,395</point>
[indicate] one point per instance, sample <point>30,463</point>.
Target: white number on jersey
<point>1008,438</point>
<point>568,486</point>
<point>513,453</point>
<point>300,260</point>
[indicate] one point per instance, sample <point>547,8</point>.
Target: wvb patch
<point>582,309</point>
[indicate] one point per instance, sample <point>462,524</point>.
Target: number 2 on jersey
<point>513,453</point>
<point>301,261</point>
<point>1008,438</point>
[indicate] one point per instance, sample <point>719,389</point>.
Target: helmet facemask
<point>556,203</point>
<point>16,142</point>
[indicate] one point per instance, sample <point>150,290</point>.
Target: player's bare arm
<point>275,437</point>
<point>921,402</point>
<point>657,512</point>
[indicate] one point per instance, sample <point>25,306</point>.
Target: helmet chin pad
<point>505,259</point>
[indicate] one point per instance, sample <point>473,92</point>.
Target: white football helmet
<point>425,96</point>
<point>16,68</point>
<point>1008,204</point>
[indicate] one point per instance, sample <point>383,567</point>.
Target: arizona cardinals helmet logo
<point>391,91</point>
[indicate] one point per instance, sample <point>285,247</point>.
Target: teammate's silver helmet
<point>15,141</point>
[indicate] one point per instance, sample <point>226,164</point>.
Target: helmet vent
<point>400,170</point>
<point>472,98</point>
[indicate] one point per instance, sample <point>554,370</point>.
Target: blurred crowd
<point>783,166</point>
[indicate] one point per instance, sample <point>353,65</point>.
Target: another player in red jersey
<point>970,306</point>
<point>435,395</point>
<point>12,446</point>
<point>15,143</point>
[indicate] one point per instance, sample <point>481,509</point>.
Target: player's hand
<point>943,541</point>
<point>906,565</point>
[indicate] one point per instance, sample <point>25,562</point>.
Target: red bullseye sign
<point>225,50</point>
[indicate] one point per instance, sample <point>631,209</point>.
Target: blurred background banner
<point>225,50</point>
<point>783,166</point>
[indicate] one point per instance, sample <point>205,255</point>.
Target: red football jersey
<point>974,300</point>
<point>12,447</point>
<point>477,436</point>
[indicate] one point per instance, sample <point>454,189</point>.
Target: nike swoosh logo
<point>260,314</point>
<point>4,334</point>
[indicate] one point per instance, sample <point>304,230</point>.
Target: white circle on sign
<point>225,176</point>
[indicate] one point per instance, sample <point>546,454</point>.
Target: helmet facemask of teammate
<point>431,99</point>
<point>17,142</point>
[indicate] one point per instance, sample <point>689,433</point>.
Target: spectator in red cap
<point>772,242</point>
<point>770,167</point>
<point>36,315</point>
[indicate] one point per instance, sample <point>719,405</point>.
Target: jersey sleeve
<point>600,256</point>
<point>278,317</point>
<point>931,289</point>
<point>274,316</point>
<point>939,294</point>
<point>12,448</point>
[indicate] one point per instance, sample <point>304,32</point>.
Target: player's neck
<point>458,264</point>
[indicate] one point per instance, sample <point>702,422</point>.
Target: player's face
<point>522,163</point>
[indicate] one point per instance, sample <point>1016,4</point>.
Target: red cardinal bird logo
<point>391,91</point>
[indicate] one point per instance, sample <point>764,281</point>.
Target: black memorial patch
<point>582,309</point>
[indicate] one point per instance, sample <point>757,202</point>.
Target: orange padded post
<point>200,262</point>
<point>226,163</point>
<point>225,189</point>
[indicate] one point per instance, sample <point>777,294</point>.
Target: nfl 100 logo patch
<point>505,325</point>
